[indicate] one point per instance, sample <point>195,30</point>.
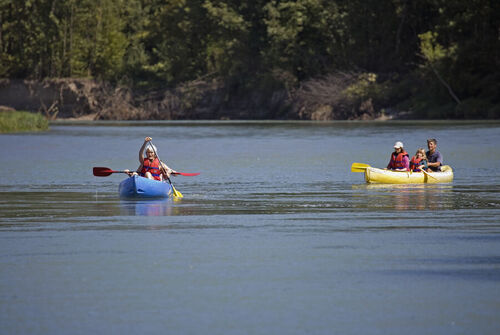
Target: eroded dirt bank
<point>93,100</point>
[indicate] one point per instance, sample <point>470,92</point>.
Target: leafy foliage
<point>449,49</point>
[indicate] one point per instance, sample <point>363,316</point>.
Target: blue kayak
<point>140,187</point>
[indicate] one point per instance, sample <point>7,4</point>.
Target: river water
<point>276,236</point>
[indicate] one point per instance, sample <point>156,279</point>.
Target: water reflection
<point>407,197</point>
<point>152,207</point>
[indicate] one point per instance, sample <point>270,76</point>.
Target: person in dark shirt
<point>434,157</point>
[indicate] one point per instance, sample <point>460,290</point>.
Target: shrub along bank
<point>17,121</point>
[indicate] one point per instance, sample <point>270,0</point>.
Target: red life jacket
<point>397,161</point>
<point>415,163</point>
<point>151,167</point>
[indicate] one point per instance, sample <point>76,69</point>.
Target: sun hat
<point>398,145</point>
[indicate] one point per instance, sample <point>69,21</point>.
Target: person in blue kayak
<point>419,161</point>
<point>399,158</point>
<point>151,167</point>
<point>434,157</point>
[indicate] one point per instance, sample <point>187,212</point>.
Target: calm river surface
<point>276,236</point>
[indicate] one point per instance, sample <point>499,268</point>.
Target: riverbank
<point>340,96</point>
<point>334,97</point>
<point>18,121</point>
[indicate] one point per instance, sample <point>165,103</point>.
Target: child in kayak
<point>151,167</point>
<point>419,161</point>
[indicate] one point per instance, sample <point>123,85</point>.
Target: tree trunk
<point>445,84</point>
<point>404,11</point>
<point>70,47</point>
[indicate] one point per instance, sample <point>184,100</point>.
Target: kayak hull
<point>381,176</point>
<point>140,187</point>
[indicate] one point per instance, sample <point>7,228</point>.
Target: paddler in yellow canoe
<point>399,158</point>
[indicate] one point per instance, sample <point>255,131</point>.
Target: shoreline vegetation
<point>339,97</point>
<point>336,97</point>
<point>21,121</point>
<point>251,60</point>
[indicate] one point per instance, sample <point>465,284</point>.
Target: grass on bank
<point>16,121</point>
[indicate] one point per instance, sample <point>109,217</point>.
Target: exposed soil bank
<point>209,100</point>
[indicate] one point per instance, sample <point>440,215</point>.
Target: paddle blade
<point>428,174</point>
<point>102,171</point>
<point>177,194</point>
<point>186,174</point>
<point>359,167</point>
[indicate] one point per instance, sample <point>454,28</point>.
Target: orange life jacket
<point>415,163</point>
<point>151,167</point>
<point>397,161</point>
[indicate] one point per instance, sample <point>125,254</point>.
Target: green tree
<point>99,45</point>
<point>174,40</point>
<point>29,33</point>
<point>306,37</point>
<point>227,39</point>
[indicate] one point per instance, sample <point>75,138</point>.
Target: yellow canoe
<point>381,176</point>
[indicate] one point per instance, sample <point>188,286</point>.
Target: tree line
<point>439,58</point>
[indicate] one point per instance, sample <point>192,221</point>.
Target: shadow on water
<point>488,274</point>
<point>484,268</point>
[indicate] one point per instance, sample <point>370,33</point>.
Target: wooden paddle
<point>177,194</point>
<point>104,172</point>
<point>359,167</point>
<point>428,174</point>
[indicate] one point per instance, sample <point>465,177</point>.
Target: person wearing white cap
<point>150,167</point>
<point>400,160</point>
